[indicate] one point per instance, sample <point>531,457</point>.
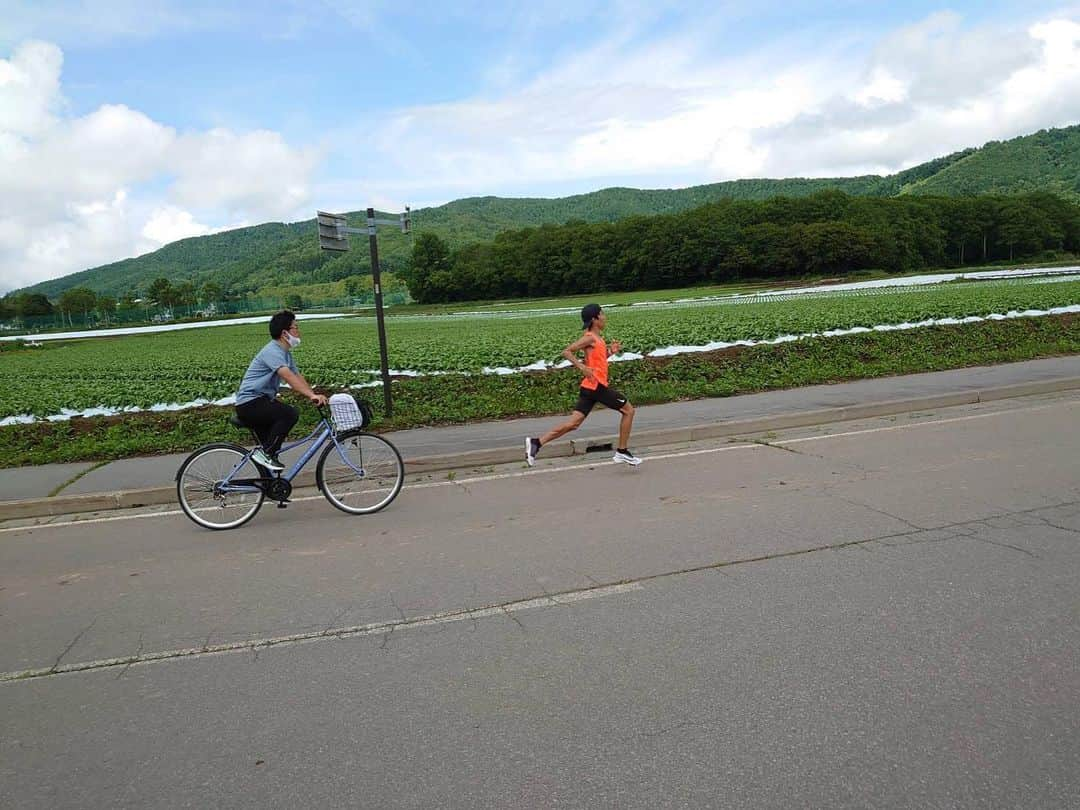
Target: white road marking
<point>578,467</point>
<point>429,485</point>
<point>922,424</point>
<point>375,628</point>
<point>584,466</point>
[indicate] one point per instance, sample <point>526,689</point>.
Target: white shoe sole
<point>620,460</point>
<point>265,463</point>
<point>530,459</point>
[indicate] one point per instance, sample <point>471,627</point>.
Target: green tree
<point>835,247</point>
<point>78,300</point>
<point>430,265</point>
<point>33,304</point>
<point>106,308</point>
<point>210,292</point>
<point>357,286</point>
<point>184,294</point>
<point>160,292</point>
<point>1023,227</point>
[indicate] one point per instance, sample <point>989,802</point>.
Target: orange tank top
<point>596,359</point>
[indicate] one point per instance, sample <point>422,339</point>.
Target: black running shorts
<point>608,397</point>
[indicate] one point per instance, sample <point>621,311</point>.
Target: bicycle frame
<point>317,438</point>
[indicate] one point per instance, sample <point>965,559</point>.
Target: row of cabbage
<point>206,364</point>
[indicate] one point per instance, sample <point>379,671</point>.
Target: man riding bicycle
<point>256,402</point>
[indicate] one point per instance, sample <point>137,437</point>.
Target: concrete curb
<point>153,496</point>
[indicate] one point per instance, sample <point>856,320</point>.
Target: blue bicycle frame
<point>317,438</point>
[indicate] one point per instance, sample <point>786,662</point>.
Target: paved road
<point>83,478</point>
<point>882,613</point>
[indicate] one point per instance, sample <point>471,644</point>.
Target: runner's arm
<point>570,353</point>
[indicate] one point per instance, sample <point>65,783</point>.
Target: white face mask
<point>294,341</point>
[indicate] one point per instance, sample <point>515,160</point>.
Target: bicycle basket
<point>347,414</point>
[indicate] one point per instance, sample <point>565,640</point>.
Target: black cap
<point>588,312</point>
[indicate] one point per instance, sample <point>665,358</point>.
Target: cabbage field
<point>140,371</point>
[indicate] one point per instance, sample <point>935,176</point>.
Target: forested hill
<point>248,259</point>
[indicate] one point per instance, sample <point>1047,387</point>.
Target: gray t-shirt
<point>261,379</point>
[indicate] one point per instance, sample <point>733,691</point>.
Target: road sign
<point>334,235</point>
<point>332,231</point>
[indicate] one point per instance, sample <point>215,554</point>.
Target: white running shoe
<point>532,447</point>
<point>626,457</point>
<point>263,460</point>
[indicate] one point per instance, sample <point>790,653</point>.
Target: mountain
<point>247,259</point>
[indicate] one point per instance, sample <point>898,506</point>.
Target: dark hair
<point>588,313</point>
<point>281,323</point>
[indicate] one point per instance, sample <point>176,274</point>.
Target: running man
<point>257,404</point>
<point>594,388</point>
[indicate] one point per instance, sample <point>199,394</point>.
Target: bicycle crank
<point>279,490</point>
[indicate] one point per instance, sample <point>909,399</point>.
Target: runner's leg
<point>625,423</point>
<point>573,423</point>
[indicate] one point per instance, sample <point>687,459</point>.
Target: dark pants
<point>271,420</point>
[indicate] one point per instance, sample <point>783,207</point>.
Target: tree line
<point>828,233</point>
<point>89,307</point>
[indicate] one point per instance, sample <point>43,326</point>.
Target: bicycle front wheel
<point>207,498</point>
<point>360,473</point>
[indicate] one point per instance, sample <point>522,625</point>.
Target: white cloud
<point>255,171</point>
<point>167,224</point>
<point>661,109</point>
<point>634,108</point>
<point>934,88</point>
<point>30,88</point>
<point>669,108</point>
<point>77,192</point>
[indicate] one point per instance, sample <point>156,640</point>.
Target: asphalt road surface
<point>874,614</point>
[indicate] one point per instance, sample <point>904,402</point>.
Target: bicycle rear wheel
<point>203,496</point>
<point>360,473</point>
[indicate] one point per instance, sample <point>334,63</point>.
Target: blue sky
<point>127,124</point>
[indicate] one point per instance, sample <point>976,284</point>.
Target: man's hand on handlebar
<point>317,399</point>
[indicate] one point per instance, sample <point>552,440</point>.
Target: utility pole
<point>376,281</point>
<point>334,235</point>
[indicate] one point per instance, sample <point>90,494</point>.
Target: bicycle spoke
<point>361,473</point>
<point>200,483</point>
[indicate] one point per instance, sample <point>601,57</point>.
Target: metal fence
<point>150,314</point>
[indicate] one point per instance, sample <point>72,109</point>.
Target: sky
<point>128,124</point>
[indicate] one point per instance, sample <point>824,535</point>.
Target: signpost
<point>334,235</point>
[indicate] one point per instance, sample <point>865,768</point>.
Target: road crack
<point>905,521</point>
<point>138,652</point>
<point>1005,545</point>
<point>74,641</point>
<point>513,618</point>
<point>474,614</point>
<point>397,607</point>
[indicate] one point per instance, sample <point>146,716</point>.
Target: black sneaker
<point>532,447</point>
<point>626,457</point>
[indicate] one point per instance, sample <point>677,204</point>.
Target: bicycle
<point>220,486</point>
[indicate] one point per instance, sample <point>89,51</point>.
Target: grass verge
<point>452,399</point>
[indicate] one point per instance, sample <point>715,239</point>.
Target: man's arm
<point>300,385</point>
<point>570,353</point>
